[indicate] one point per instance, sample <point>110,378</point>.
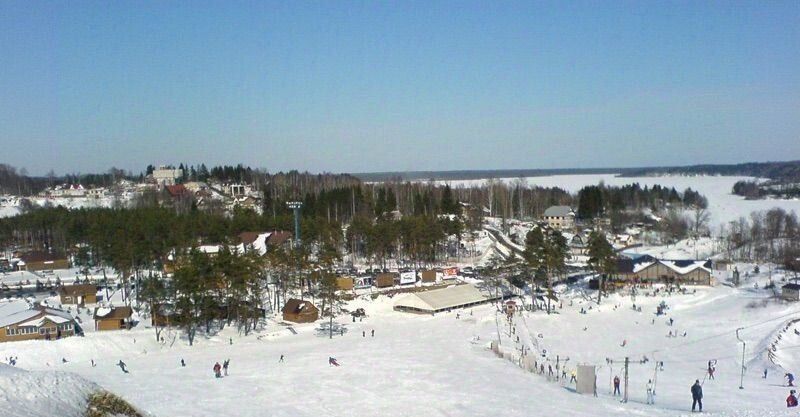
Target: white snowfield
<point>422,365</point>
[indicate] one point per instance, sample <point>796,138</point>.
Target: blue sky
<point>374,86</point>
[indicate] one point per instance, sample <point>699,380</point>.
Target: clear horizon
<point>414,86</point>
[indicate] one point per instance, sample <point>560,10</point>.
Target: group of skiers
<point>219,370</point>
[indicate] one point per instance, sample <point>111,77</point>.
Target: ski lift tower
<point>296,206</point>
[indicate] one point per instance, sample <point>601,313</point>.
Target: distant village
<point>299,246</point>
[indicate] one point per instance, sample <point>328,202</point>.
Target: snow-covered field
<point>440,365</point>
<point>11,206</point>
<point>724,207</point>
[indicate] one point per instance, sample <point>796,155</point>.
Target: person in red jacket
<point>791,400</point>
<point>217,369</point>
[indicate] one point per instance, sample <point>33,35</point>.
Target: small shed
<point>78,294</point>
<point>300,311</point>
<point>428,276</point>
<point>112,318</point>
<point>385,280</point>
<point>791,292</point>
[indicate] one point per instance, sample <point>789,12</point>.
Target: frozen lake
<point>723,206</point>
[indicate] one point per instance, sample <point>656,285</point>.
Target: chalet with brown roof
<point>261,241</point>
<point>112,318</point>
<point>41,261</point>
<point>300,311</point>
<point>78,294</point>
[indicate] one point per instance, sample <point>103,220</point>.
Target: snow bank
<point>43,393</point>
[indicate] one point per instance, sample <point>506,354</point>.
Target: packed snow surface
<point>441,365</point>
<point>43,393</point>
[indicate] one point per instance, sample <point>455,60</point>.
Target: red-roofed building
<point>176,191</point>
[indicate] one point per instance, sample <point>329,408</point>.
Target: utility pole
<point>741,380</point>
<point>296,206</point>
<point>625,394</point>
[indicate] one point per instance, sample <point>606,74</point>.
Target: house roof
<point>248,238</point>
<point>15,311</point>
<point>256,240</point>
<point>278,238</point>
<point>80,289</point>
<point>296,306</point>
<point>558,211</point>
<point>19,311</point>
<point>40,256</point>
<point>176,190</point>
<point>112,313</point>
<point>792,286</point>
<point>680,266</point>
<point>624,265</point>
<point>442,299</point>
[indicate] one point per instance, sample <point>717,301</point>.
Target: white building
<point>559,217</point>
<point>166,176</point>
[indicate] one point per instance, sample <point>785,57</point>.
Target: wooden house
<point>300,311</point>
<point>80,294</point>
<point>42,261</point>
<point>647,269</point>
<point>114,318</point>
<point>20,321</point>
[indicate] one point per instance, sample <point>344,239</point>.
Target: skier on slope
<point>790,378</point>
<point>791,400</point>
<point>332,361</point>
<point>122,366</point>
<point>616,385</point>
<point>650,392</point>
<point>225,366</point>
<point>697,395</point>
<point>217,370</point>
